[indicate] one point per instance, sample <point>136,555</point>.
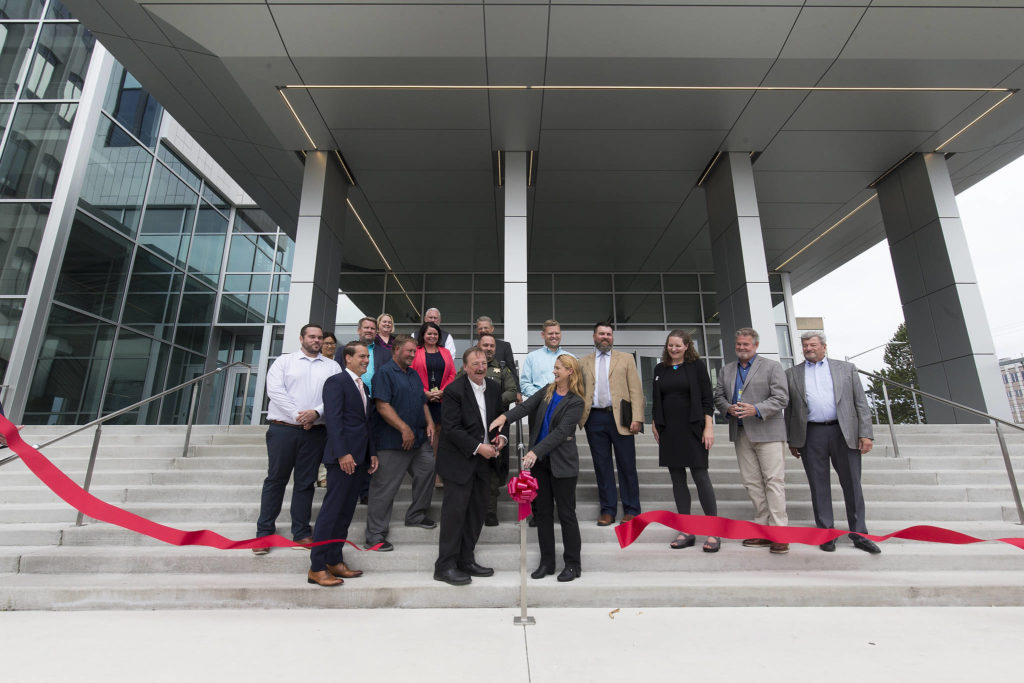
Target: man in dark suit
<point>465,457</point>
<point>828,420</point>
<point>349,456</point>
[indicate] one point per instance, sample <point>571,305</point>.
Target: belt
<point>289,424</point>
<point>825,424</point>
<point>601,410</point>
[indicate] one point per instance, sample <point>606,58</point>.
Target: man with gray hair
<point>433,315</point>
<point>751,393</point>
<point>828,419</point>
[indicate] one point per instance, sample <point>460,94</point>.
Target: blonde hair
<point>575,376</point>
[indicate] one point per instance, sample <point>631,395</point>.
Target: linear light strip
<point>683,88</point>
<point>297,119</point>
<point>980,117</point>
<point>711,167</point>
<point>381,254</point>
<point>344,167</point>
<point>529,171</point>
<point>500,183</point>
<point>831,228</point>
<point>888,171</point>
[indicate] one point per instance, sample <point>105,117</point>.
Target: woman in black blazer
<point>683,427</point>
<point>553,459</point>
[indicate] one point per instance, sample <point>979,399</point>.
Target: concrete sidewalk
<point>788,644</point>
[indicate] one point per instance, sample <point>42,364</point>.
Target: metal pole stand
<point>523,619</point>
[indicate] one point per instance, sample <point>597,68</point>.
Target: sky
<point>992,212</point>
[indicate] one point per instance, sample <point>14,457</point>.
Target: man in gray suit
<point>828,419</point>
<point>751,393</point>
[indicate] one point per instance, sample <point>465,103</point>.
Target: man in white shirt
<point>295,436</point>
<point>539,364</point>
<point>433,315</point>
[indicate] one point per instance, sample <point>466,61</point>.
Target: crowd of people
<point>385,405</point>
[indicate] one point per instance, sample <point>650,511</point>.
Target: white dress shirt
<point>295,382</point>
<point>820,394</point>
<point>602,368</point>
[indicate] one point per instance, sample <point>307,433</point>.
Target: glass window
<point>154,289</point>
<point>707,282</point>
<point>362,282</point>
<point>406,314</point>
<point>116,178</point>
<point>232,308</point>
<point>94,269</point>
<point>57,10</point>
<point>582,309</point>
<point>683,308</point>
<point>170,213</point>
<point>539,308</point>
<point>639,308</point>
<point>491,305</point>
<point>57,69</point>
<point>680,282</point>
<point>285,252</point>
<point>10,316</point>
<point>283,283</point>
<point>68,379</point>
<point>183,367</point>
<point>211,195</point>
<point>208,244</point>
<point>538,282</point>
<point>278,308</point>
<point>488,283</point>
<point>785,346</point>
<point>710,302</point>
<point>133,108</point>
<point>779,307</point>
<point>254,220</point>
<point>195,315</point>
<point>454,307</point>
<point>21,9</point>
<point>251,253</point>
<point>642,282</point>
<point>21,231</point>
<point>250,282</point>
<point>15,41</point>
<point>34,152</point>
<point>137,372</point>
<point>449,282</point>
<point>178,166</point>
<point>583,283</point>
<point>714,345</point>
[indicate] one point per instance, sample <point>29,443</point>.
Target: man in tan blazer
<point>610,377</point>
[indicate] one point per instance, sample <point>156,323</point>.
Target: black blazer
<point>560,443</point>
<point>461,430</point>
<point>348,425</point>
<point>503,352</point>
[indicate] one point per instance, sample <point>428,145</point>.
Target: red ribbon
<point>701,525</point>
<point>523,489</point>
<point>75,496</point>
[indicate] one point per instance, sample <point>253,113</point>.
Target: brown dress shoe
<point>779,548</point>
<point>605,520</point>
<point>323,579</point>
<point>343,572</point>
<point>757,543</point>
<point>626,518</point>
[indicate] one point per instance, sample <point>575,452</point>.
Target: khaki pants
<point>763,472</point>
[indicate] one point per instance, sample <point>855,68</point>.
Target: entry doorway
<point>239,392</point>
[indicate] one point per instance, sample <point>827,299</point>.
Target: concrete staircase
<point>948,476</point>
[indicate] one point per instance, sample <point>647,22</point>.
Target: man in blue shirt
<point>539,364</point>
<point>401,433</point>
<point>367,333</point>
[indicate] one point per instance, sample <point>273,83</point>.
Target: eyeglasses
<point>330,343</point>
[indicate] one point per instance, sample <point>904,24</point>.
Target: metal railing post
<point>89,469</point>
<point>523,619</point>
<point>892,429</point>
<point>917,408</point>
<point>192,407</point>
<point>1010,474</point>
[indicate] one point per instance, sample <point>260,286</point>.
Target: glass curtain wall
<point>43,60</point>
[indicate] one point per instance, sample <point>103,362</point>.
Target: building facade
<point>1012,370</point>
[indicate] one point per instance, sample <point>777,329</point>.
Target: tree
<point>899,367</point>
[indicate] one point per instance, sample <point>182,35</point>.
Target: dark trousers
<point>551,492</point>
<point>336,514</point>
<point>462,517</point>
<point>603,437</point>
<point>825,443</point>
<point>290,450</point>
<point>681,492</point>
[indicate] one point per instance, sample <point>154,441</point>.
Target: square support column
<point>515,253</point>
<point>946,322</point>
<point>737,248</point>
<point>313,296</point>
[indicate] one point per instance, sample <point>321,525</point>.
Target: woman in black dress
<point>683,427</point>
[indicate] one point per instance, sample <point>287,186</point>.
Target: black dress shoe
<point>542,571</point>
<point>533,522</point>
<point>491,519</point>
<point>364,500</point>
<point>474,569</point>
<point>385,546</point>
<point>452,576</point>
<point>865,544</point>
<point>425,523</point>
<point>569,573</point>
<point>829,547</point>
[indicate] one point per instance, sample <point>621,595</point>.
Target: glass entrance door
<point>239,390</point>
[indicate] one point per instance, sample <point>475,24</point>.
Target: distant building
<point>1012,370</point>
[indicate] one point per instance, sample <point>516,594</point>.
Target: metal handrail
<point>99,422</point>
<point>997,421</point>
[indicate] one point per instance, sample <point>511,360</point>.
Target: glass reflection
<point>15,41</point>
<point>10,316</point>
<point>170,213</point>
<point>116,178</point>
<point>57,68</point>
<point>35,149</point>
<point>21,230</point>
<point>154,289</point>
<point>137,372</point>
<point>95,267</point>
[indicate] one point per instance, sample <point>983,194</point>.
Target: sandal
<point>710,547</point>
<point>684,541</point>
